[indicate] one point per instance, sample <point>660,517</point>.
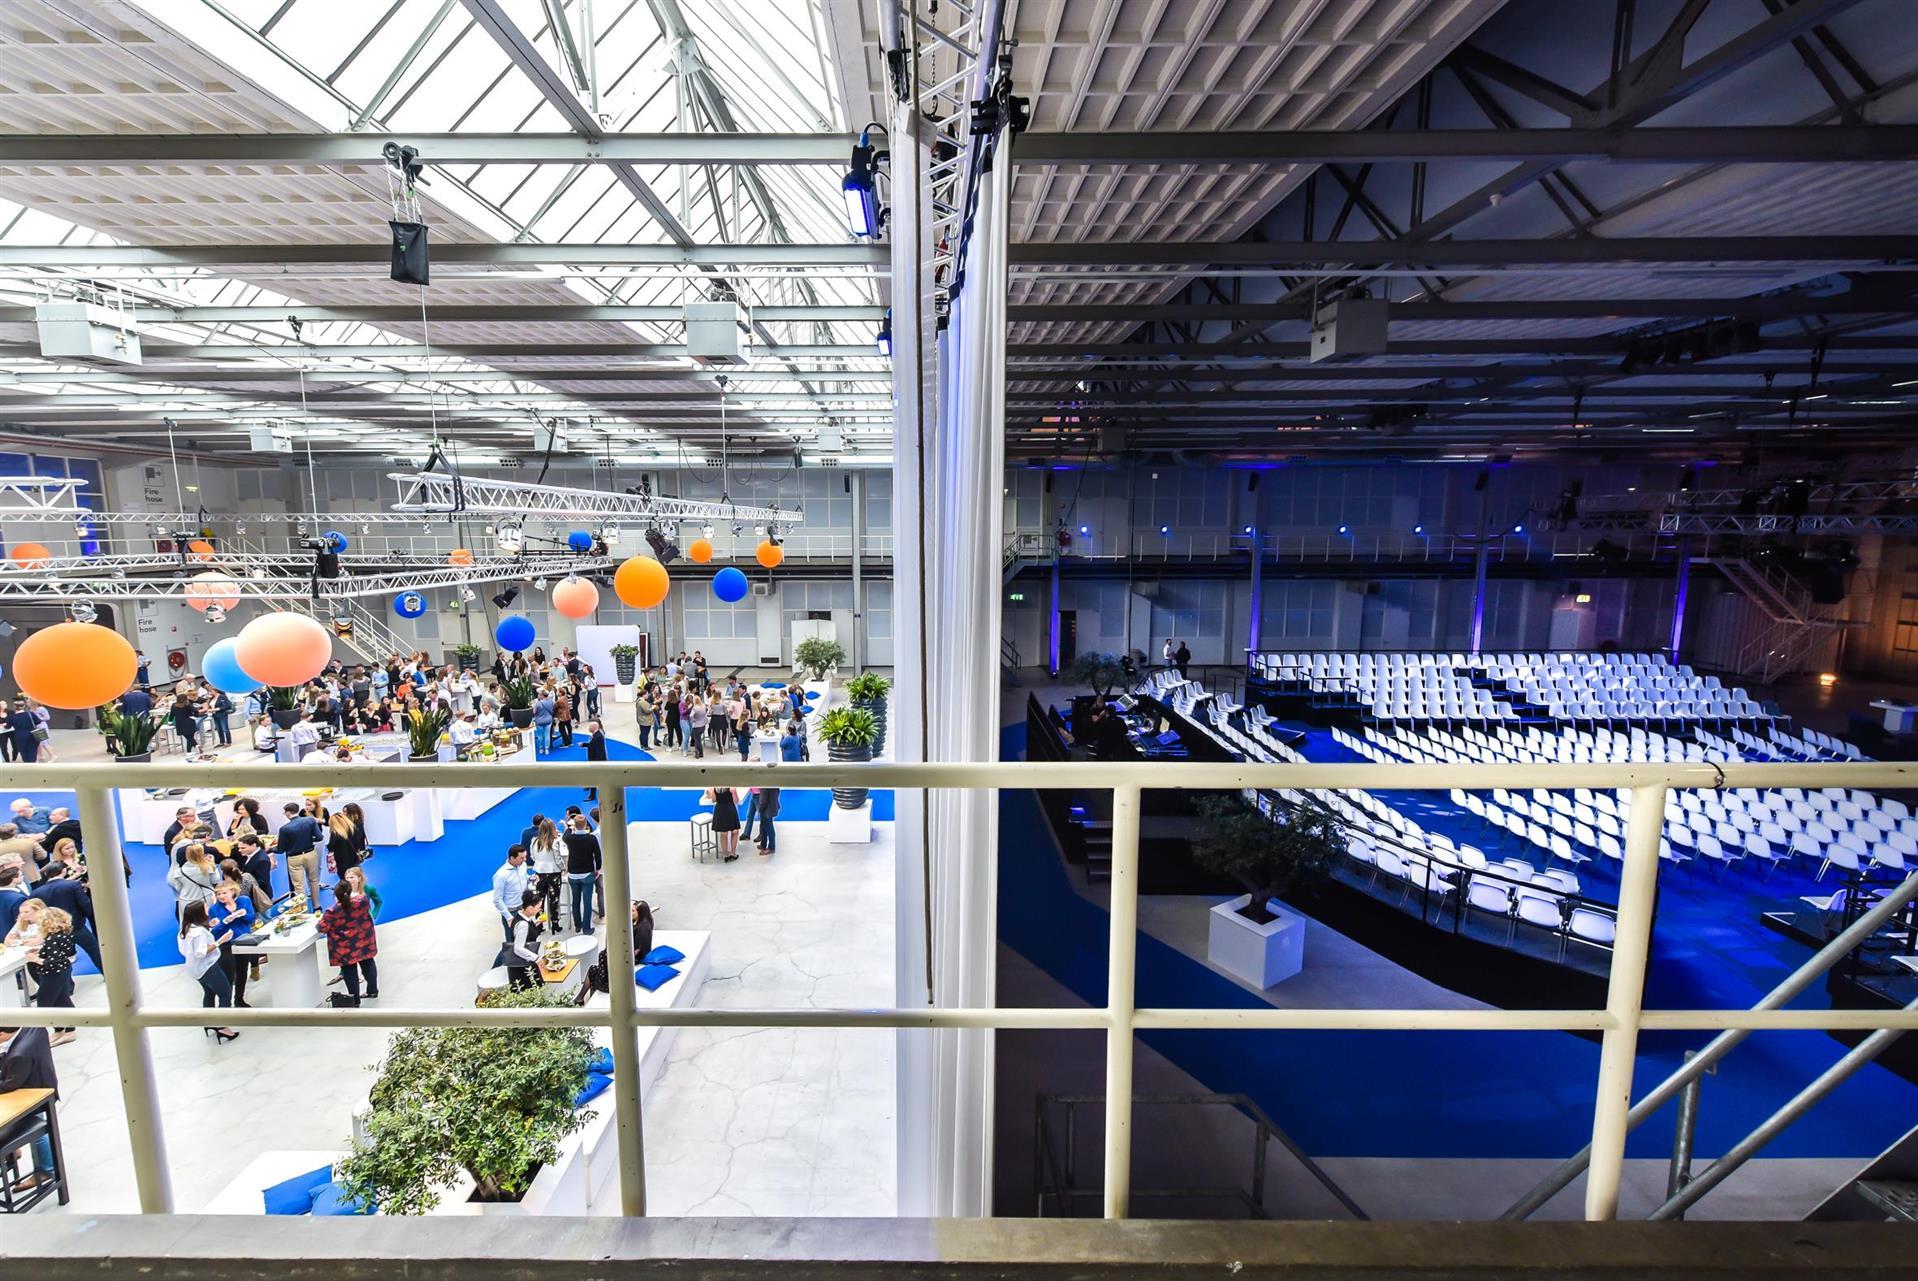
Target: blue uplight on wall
<point>1248,529</point>
<point>1418,529</point>
<point>1345,529</point>
<point>1165,529</point>
<point>1085,529</point>
<point>1518,529</point>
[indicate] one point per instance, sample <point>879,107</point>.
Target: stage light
<point>1248,529</point>
<point>213,614</point>
<point>665,550</point>
<point>507,597</point>
<point>1345,529</point>
<point>1165,529</point>
<point>82,612</point>
<point>1518,529</point>
<point>468,595</point>
<point>1418,529</point>
<point>1085,529</point>
<point>860,190</point>
<point>883,340</point>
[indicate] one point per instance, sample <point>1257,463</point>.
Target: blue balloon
<point>335,541</point>
<point>409,604</point>
<point>579,540</point>
<point>514,633</point>
<point>221,668</point>
<point>730,585</point>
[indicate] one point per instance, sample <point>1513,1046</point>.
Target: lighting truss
<point>1730,523</point>
<point>53,585</point>
<point>440,494</point>
<point>48,496</point>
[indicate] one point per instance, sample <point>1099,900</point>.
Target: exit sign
<point>1016,596</point>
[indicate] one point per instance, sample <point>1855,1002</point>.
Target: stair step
<point>1898,1198</point>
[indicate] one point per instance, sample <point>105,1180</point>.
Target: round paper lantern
<point>75,665</point>
<point>769,554</point>
<point>283,649</point>
<point>211,588</point>
<point>515,633</point>
<point>201,549</point>
<point>409,604</point>
<point>580,541</point>
<point>575,598</point>
<point>335,541</point>
<point>221,668</point>
<point>459,556</point>
<point>30,555</point>
<point>699,551</point>
<point>641,582</point>
<point>730,584</point>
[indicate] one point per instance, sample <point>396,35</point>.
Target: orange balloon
<point>641,582</point>
<point>459,556</point>
<point>201,549</point>
<point>31,556</point>
<point>575,598</point>
<point>769,554</point>
<point>699,551</point>
<point>75,665</point>
<point>209,589</point>
<point>283,649</point>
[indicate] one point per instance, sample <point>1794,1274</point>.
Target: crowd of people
<point>46,908</point>
<point>678,705</point>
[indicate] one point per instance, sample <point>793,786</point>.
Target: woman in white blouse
<point>547,856</point>
<point>194,877</point>
<point>200,949</point>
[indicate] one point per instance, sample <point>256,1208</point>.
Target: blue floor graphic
<point>1462,1094</point>
<point>420,876</point>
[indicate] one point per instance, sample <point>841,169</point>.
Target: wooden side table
<point>25,1116</point>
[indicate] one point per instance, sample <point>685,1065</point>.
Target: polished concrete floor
<point>742,1122</point>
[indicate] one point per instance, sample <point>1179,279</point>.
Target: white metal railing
<point>1619,1021</point>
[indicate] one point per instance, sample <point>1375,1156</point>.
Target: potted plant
<point>423,729</point>
<point>818,655</point>
<point>469,656</point>
<point>129,736</point>
<point>1099,673</point>
<point>283,704</point>
<point>868,691</point>
<point>625,663</point>
<point>1249,936</point>
<point>518,693</point>
<point>848,733</point>
<point>493,1102</point>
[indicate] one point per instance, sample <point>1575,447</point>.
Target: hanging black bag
<point>410,264</point>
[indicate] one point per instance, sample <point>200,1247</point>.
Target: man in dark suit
<point>595,751</point>
<point>183,818</point>
<point>65,827</point>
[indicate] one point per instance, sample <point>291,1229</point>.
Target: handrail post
<point>628,1095</point>
<point>133,1052</point>
<point>1122,957</point>
<point>1624,1001</point>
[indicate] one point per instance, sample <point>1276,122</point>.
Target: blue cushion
<point>602,1062</point>
<point>295,1195</point>
<point>654,977</point>
<point>596,1083</point>
<point>775,685</point>
<point>664,955</point>
<point>330,1198</point>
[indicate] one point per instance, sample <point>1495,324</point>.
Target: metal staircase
<point>1796,626</point>
<point>371,638</point>
<point>1024,550</point>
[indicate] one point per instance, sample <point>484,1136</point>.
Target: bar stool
<point>703,842</point>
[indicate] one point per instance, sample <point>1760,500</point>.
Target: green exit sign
<point>1016,596</point>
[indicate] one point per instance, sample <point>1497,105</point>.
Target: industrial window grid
<point>1618,1022</point>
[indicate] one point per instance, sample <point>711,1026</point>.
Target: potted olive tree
<point>625,663</point>
<point>424,725</point>
<point>494,1103</point>
<point>868,691</point>
<point>129,736</point>
<point>519,693</point>
<point>1099,673</point>
<point>283,704</point>
<point>848,733</point>
<point>469,656</point>
<point>818,655</point>
<point>1251,937</point>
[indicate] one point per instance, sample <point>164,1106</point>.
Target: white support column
<point>1122,954</point>
<point>628,1103</point>
<point>113,923</point>
<point>1624,1001</point>
<point>856,484</point>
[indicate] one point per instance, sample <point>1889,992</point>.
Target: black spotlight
<point>506,597</point>
<point>665,550</point>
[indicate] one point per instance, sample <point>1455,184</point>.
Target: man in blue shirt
<point>510,882</point>
<point>11,897</point>
<point>137,701</point>
<point>30,818</point>
<point>298,840</point>
<point>791,747</point>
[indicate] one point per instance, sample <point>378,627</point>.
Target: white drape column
<point>948,478</point>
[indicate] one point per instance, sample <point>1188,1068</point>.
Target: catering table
<point>13,973</point>
<point>1900,718</point>
<point>293,976</point>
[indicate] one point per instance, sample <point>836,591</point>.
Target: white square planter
<point>1262,955</point>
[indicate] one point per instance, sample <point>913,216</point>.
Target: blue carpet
<point>1453,1094</point>
<point>422,875</point>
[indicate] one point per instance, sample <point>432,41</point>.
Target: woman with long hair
<point>546,854</point>
<point>193,877</point>
<point>230,916</point>
<point>50,962</point>
<point>350,937</point>
<point>200,949</point>
<point>342,849</point>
